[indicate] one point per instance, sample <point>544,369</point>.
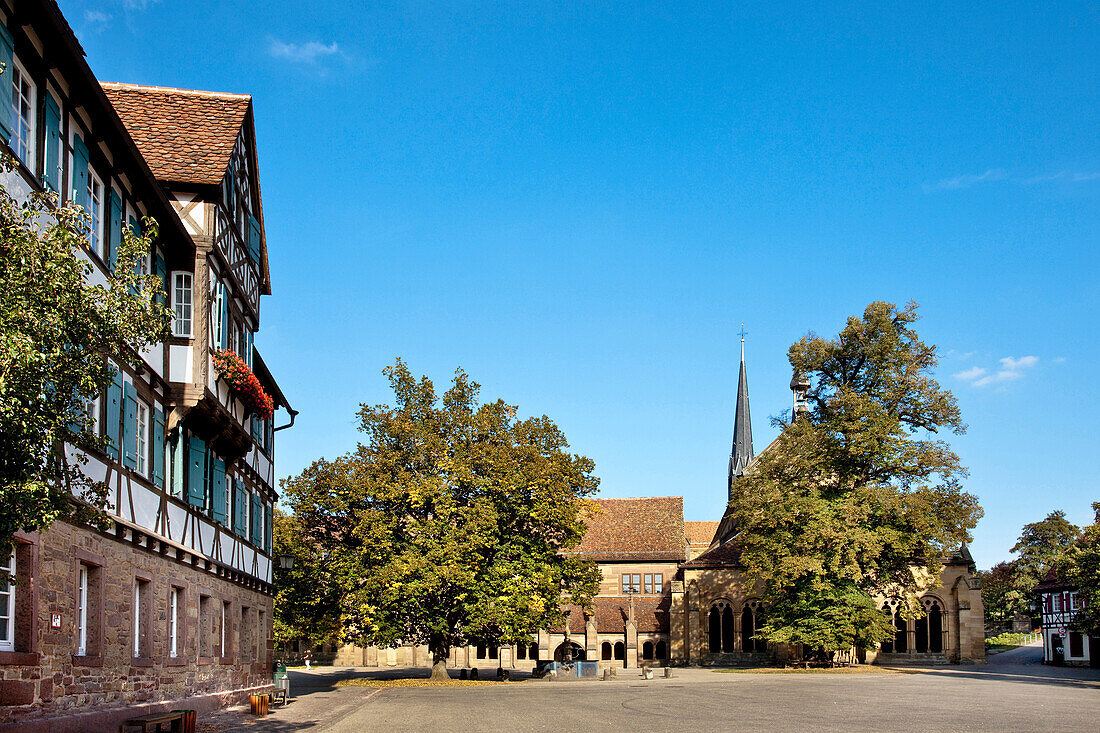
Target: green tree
<point>858,498</point>
<point>452,524</point>
<point>1040,545</point>
<point>307,602</point>
<point>57,330</point>
<point>1001,593</point>
<point>1080,565</point>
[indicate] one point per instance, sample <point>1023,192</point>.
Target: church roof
<point>725,555</point>
<point>642,528</point>
<point>186,136</point>
<point>700,533</point>
<point>611,613</point>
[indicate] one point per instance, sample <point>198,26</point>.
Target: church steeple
<point>741,453</point>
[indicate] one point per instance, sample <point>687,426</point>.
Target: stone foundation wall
<point>46,680</point>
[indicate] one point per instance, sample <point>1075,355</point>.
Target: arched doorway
<point>901,638</point>
<point>620,651</point>
<point>569,651</point>
<point>605,651</point>
<point>749,642</point>
<point>662,650</point>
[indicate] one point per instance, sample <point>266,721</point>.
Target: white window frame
<point>82,612</point>
<point>60,152</point>
<point>137,618</point>
<point>141,437</point>
<point>223,649</point>
<point>217,302</point>
<point>24,150</point>
<point>93,414</point>
<point>183,303</point>
<point>95,211</point>
<point>173,622</point>
<point>7,605</point>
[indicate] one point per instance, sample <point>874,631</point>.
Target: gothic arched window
<point>647,650</point>
<point>605,651</point>
<point>662,650</point>
<point>748,631</point>
<point>727,629</point>
<point>715,629</point>
<point>620,651</point>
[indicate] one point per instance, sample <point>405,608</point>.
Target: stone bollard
<point>606,675</point>
<point>504,674</point>
<point>647,673</point>
<point>668,673</point>
<point>473,673</point>
<point>464,675</point>
<point>614,673</point>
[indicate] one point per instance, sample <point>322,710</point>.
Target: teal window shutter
<point>129,427</point>
<point>113,418</point>
<point>7,58</point>
<point>269,442</point>
<point>51,120</point>
<point>161,271</point>
<point>196,472</point>
<point>114,224</point>
<point>254,238</point>
<point>267,527</point>
<point>219,510</point>
<point>240,508</point>
<point>80,172</point>
<point>158,448</point>
<point>223,306</point>
<point>176,488</point>
<point>257,517</point>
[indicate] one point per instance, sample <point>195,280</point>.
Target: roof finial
<point>743,333</point>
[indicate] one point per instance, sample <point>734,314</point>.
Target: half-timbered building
<point>172,600</point>
<point>1063,642</point>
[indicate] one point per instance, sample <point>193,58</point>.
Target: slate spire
<point>741,454</point>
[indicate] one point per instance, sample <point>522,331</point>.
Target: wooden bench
<point>153,722</point>
<point>278,697</point>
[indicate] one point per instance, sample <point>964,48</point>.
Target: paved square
<point>1012,693</point>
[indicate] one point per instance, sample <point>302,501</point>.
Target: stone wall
<point>46,680</point>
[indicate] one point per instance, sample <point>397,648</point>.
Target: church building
<point>674,593</point>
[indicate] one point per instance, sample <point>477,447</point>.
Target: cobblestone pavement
<point>1013,692</point>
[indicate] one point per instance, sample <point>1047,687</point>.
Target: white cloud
<point>1023,362</point>
<point>1060,360</point>
<point>970,374</point>
<point>310,52</point>
<point>964,181</point>
<point>1002,376</point>
<point>97,19</point>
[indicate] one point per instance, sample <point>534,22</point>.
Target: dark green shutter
<point>254,239</point>
<point>256,514</point>
<point>52,122</point>
<point>240,508</point>
<point>158,448</point>
<point>196,472</point>
<point>114,414</point>
<point>161,272</point>
<point>7,58</point>
<point>114,224</point>
<point>267,527</point>
<point>129,427</point>
<point>218,469</point>
<point>223,306</point>
<point>80,172</point>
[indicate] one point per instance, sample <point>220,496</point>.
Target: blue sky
<point>580,203</point>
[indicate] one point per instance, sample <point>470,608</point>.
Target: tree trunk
<point>440,648</point>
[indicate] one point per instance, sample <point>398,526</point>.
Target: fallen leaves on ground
<point>419,682</point>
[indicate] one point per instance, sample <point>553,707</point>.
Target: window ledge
<point>141,662</point>
<point>87,660</point>
<point>27,658</point>
<point>175,662</point>
<point>226,660</point>
<point>207,660</point>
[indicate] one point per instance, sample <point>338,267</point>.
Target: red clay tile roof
<point>186,136</point>
<point>700,533</point>
<point>726,555</point>
<point>647,528</point>
<point>611,612</point>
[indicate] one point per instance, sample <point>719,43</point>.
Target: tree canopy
<point>1080,565</point>
<point>57,330</point>
<point>1040,545</point>
<point>858,498</point>
<point>307,602</point>
<point>452,523</point>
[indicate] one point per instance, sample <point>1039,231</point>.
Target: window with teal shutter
<point>129,427</point>
<point>219,509</point>
<point>114,224</point>
<point>240,508</point>
<point>80,172</point>
<point>7,58</point>
<point>51,121</point>
<point>257,516</point>
<point>267,527</point>
<point>161,271</point>
<point>254,237</point>
<point>223,316</point>
<point>196,472</point>
<point>113,418</point>
<point>176,455</point>
<point>158,447</point>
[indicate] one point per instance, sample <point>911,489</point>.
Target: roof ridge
<point>634,498</point>
<point>176,90</point>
